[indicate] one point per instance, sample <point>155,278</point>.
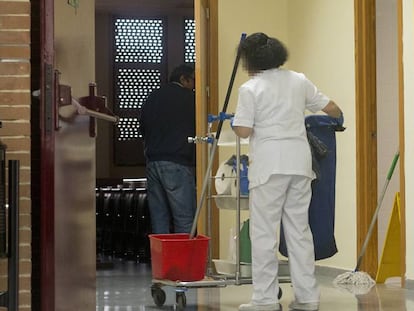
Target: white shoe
<point>254,307</point>
<point>304,306</point>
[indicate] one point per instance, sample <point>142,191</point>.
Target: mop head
<point>356,282</point>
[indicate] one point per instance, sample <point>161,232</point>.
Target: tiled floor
<point>127,287</point>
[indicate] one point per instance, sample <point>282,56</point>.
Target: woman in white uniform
<point>271,111</point>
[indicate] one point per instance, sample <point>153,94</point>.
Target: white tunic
<point>273,103</point>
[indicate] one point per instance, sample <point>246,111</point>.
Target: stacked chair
<point>123,221</point>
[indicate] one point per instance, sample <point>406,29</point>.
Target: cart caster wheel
<point>280,293</point>
<point>181,300</point>
<point>158,295</point>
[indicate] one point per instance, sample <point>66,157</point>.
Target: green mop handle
<point>374,218</point>
<point>394,163</point>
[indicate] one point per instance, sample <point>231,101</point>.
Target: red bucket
<point>177,257</point>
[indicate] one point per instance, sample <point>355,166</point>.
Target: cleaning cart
<point>183,262</point>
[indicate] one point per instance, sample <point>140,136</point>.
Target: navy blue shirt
<point>167,120</point>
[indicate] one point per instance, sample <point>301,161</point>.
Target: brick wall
<point>15,101</point>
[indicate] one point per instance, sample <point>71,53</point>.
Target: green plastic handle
<point>394,163</point>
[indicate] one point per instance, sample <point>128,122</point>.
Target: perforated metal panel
<point>134,85</point>
<point>189,41</point>
<point>139,67</point>
<point>127,129</point>
<point>139,40</point>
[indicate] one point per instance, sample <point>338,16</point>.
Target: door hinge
<point>208,91</point>
<point>208,13</point>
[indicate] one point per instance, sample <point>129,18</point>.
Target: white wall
<point>312,39</point>
<point>324,51</point>
<point>387,109</point>
<point>408,42</point>
<point>268,16</point>
<point>75,45</point>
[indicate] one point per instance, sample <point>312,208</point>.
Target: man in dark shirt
<point>167,120</point>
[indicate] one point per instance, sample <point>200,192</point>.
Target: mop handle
<point>229,89</point>
<point>214,147</point>
<point>374,218</point>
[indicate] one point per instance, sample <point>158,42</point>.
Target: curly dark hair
<point>186,70</point>
<point>260,52</point>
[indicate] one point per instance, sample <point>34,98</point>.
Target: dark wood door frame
<point>47,124</point>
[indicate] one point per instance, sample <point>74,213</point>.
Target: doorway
<point>367,186</point>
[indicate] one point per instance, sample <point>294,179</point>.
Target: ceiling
<point>113,5</point>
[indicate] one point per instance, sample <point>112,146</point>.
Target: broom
<point>356,278</point>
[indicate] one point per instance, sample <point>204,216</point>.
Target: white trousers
<point>287,198</point>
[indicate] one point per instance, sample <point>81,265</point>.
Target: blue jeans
<point>171,196</point>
